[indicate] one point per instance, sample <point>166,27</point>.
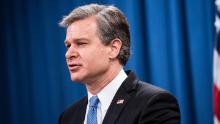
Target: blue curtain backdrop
<point>172,43</point>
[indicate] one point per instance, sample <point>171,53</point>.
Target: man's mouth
<point>74,67</point>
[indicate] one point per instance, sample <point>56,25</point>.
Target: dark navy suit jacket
<point>142,104</point>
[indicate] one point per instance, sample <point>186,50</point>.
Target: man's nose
<point>71,53</point>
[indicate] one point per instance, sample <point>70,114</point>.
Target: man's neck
<point>95,87</point>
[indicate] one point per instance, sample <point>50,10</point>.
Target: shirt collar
<point>108,92</point>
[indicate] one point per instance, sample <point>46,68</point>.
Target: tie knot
<point>94,100</point>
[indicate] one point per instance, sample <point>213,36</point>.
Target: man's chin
<point>76,79</point>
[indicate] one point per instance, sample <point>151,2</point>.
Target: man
<point>98,46</point>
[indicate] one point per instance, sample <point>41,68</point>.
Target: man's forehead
<point>86,22</point>
<point>82,27</point>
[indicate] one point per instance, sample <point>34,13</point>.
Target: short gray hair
<point>111,24</point>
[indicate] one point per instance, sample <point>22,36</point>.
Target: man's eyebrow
<point>77,40</point>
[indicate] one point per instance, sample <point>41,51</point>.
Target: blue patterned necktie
<point>92,113</point>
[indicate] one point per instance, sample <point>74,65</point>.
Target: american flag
<point>216,68</point>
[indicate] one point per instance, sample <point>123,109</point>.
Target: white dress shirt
<point>106,95</point>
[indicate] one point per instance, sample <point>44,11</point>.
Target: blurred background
<point>172,47</point>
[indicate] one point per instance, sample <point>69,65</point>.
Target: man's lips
<point>74,67</point>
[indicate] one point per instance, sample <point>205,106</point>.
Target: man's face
<point>87,57</point>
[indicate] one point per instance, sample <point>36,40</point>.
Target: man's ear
<point>115,47</point>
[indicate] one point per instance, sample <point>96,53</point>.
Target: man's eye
<point>81,43</point>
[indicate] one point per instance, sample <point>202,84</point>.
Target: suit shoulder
<point>157,104</point>
<point>147,88</point>
<point>76,105</point>
<point>71,113</point>
<point>148,91</point>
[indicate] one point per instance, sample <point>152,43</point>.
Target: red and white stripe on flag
<point>216,89</point>
<point>216,67</point>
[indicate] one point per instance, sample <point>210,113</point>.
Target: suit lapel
<point>82,111</point>
<point>121,98</point>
